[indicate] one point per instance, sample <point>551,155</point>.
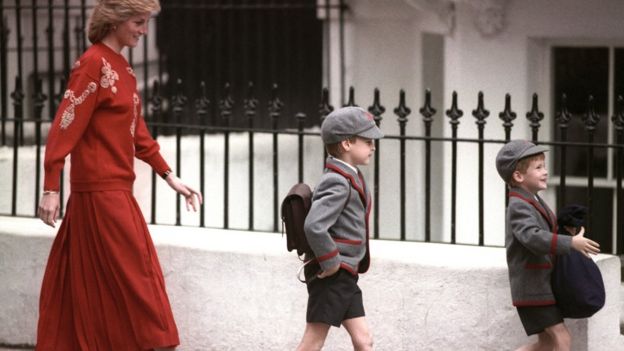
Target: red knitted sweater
<point>100,122</point>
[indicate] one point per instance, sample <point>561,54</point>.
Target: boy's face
<point>534,178</point>
<point>358,152</point>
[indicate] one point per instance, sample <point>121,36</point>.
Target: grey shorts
<point>535,319</point>
<point>334,299</point>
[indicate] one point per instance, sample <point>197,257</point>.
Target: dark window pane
<point>578,73</point>
<point>602,214</point>
<point>238,41</point>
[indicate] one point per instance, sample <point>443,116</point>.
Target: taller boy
<point>337,230</point>
<point>531,240</point>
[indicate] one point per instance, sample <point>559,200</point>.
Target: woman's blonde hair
<point>108,13</point>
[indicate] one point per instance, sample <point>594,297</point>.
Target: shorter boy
<point>337,230</point>
<point>531,239</point>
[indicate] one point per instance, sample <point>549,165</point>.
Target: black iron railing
<point>251,107</point>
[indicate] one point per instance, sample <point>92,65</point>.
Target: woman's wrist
<point>166,174</point>
<point>50,192</point>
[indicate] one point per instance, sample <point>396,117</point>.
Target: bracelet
<point>166,174</point>
<point>47,192</point>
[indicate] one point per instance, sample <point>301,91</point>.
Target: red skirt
<point>103,288</point>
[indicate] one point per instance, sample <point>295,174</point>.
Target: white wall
<point>387,44</point>
<point>233,290</point>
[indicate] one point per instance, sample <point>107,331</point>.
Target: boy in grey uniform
<point>337,230</point>
<point>531,240</point>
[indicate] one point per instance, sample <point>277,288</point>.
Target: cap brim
<point>533,150</point>
<point>371,133</point>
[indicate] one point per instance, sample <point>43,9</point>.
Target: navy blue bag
<point>577,285</point>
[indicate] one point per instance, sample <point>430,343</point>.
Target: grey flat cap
<point>512,152</point>
<point>348,121</point>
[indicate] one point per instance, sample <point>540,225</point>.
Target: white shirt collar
<point>345,163</point>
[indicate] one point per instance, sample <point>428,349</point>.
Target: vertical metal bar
<point>427,111</point>
<point>376,109</point>
<point>561,200</point>
<point>507,116</point>
<point>481,114</point>
<point>51,68</point>
<point>18,38</point>
<point>35,41</point>
<point>39,101</point>
<point>66,41</point>
<point>145,71</point>
<point>250,110</point>
<point>275,106</point>
<point>591,119</point>
<point>300,117</point>
<point>83,24</point>
<point>563,117</point>
<point>202,105</point>
<point>18,98</point>
<point>178,103</point>
<point>342,52</point>
<point>619,154</point>
<point>225,105</point>
<point>57,102</point>
<point>327,35</point>
<point>20,66</point>
<point>156,102</point>
<point>590,180</point>
<point>77,37</point>
<point>4,38</point>
<point>454,114</point>
<point>402,111</point>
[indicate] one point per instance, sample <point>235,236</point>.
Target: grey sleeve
<point>328,201</point>
<point>527,230</point>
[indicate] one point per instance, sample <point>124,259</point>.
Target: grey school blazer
<point>531,239</point>
<point>337,225</point>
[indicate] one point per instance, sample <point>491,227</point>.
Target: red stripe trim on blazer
<point>348,241</point>
<point>327,256</point>
<point>347,268</point>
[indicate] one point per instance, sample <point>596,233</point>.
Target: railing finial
<point>376,109</point>
<point>427,111</point>
<point>325,108</point>
<point>480,113</point>
<point>591,118</point>
<point>454,113</point>
<point>564,116</point>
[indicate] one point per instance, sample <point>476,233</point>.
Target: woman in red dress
<point>103,288</point>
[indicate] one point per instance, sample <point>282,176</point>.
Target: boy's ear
<point>346,145</point>
<point>517,176</point>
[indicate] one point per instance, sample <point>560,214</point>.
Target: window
<point>580,72</point>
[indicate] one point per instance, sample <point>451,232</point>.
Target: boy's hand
<point>328,272</point>
<point>584,245</point>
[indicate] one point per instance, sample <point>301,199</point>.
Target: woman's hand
<point>191,195</point>
<point>49,208</point>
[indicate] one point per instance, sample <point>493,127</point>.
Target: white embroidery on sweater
<point>109,76</point>
<point>70,112</point>
<point>131,71</point>
<point>135,100</point>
